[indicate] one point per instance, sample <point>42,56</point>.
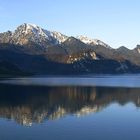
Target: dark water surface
<point>69,110</point>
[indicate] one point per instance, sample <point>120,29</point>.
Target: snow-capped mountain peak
<point>90,41</point>
<point>30,33</point>
<point>34,33</point>
<point>28,28</point>
<point>59,37</point>
<point>86,39</point>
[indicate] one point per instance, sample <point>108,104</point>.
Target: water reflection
<point>28,104</point>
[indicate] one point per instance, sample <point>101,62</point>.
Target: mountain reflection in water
<point>29,104</point>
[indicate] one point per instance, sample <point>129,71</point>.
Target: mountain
<point>8,69</point>
<point>35,50</point>
<point>132,55</point>
<point>32,33</point>
<point>93,42</point>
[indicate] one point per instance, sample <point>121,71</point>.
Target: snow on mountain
<point>90,41</point>
<point>31,32</point>
<point>59,37</point>
<point>34,29</point>
<point>86,40</point>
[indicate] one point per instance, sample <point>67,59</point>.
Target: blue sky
<point>116,22</point>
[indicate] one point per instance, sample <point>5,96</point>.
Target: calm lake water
<point>65,108</point>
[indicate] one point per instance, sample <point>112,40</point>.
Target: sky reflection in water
<point>69,112</point>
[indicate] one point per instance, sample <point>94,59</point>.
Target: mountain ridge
<point>39,51</point>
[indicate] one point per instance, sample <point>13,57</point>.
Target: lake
<point>70,108</point>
